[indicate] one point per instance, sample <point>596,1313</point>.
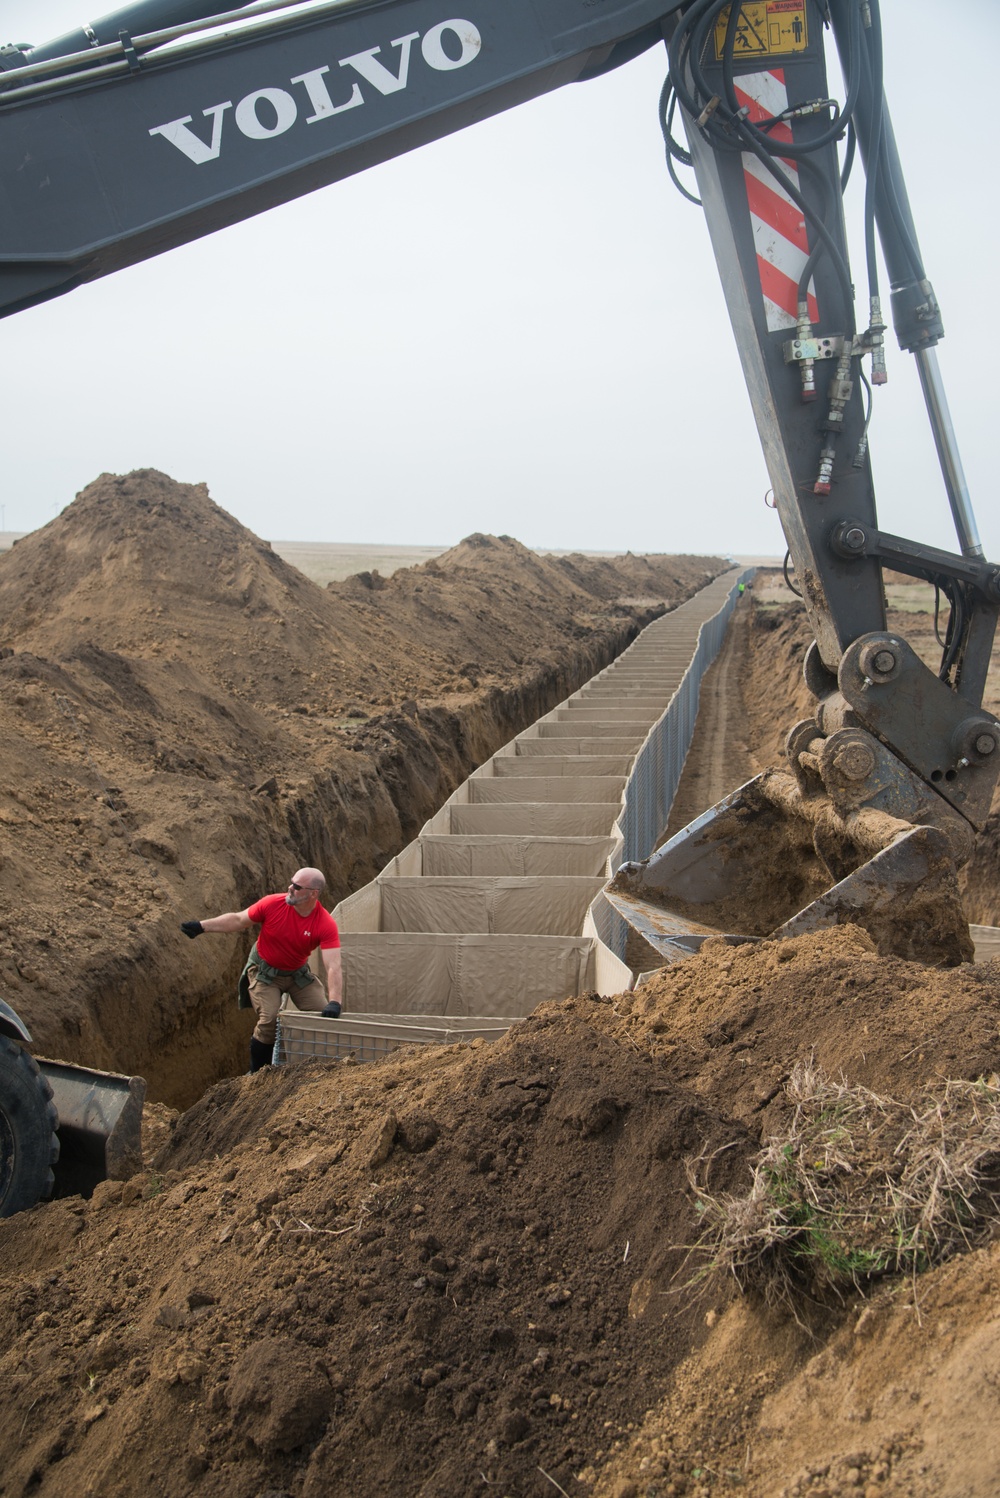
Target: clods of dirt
<point>469,1267</point>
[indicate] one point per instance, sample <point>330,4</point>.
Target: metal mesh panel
<point>368,1037</point>
<point>296,1045</point>
<point>652,785</point>
<point>610,927</point>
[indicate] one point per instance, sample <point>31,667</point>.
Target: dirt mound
<point>145,566</point>
<point>489,606</point>
<point>732,1024</point>
<point>140,534</point>
<point>898,1402</point>
<point>393,1278</point>
<point>734,1020</point>
<point>601,577</point>
<point>620,577</point>
<point>465,1268</point>
<point>141,565</point>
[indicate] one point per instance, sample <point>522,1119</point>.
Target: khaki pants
<point>266,1001</point>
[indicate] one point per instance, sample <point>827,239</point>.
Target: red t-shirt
<point>287,938</point>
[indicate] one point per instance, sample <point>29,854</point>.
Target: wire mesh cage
<point>369,1037</point>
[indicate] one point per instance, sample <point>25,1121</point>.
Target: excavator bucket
<point>770,861</point>
<point>100,1120</point>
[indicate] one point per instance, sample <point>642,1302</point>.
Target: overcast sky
<point>517,329</point>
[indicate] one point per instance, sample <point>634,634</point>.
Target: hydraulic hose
<point>674,151</point>
<point>849,154</point>
<point>726,128</point>
<point>873,79</point>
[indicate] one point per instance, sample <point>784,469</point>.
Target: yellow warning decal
<point>764,28</point>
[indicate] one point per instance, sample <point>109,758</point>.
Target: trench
<point>350,819</point>
<point>182,1031</point>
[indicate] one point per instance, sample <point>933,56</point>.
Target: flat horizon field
<point>332,561</point>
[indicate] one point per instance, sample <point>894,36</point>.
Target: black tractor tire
<point>28,1122</point>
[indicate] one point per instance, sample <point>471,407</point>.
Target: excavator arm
<point>166,121</point>
<point>159,134</point>
<point>765,155</point>
<point>889,780</point>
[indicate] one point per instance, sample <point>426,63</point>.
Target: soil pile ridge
<point>609,578</point>
<point>490,605</point>
<point>143,565</point>
<point>465,1269</point>
<point>483,553</point>
<point>140,533</point>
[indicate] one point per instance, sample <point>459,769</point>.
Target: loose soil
<point>468,1268</point>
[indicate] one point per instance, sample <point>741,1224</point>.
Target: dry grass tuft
<point>859,1186</point>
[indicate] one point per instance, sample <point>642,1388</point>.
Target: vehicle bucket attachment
<point>100,1125</point>
<point>770,860</point>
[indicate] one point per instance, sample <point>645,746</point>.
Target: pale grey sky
<point>517,329</point>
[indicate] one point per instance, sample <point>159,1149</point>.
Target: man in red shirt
<point>292,926</point>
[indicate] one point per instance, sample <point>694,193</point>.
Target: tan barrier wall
<point>530,744</point>
<point>534,906</point>
<point>515,855</point>
<point>447,974</point>
<point>600,789</point>
<point>506,765</point>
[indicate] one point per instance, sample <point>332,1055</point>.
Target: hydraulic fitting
<point>916,316</point>
<point>824,478</point>
<point>807,367</point>
<point>841,389</point>
<point>804,350</point>
<point>875,340</point>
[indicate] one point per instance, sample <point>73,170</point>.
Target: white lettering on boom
<point>436,57</point>
<point>375,72</point>
<point>248,121</point>
<point>319,96</point>
<point>178,134</point>
<point>286,112</point>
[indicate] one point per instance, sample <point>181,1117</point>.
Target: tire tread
<point>30,1116</point>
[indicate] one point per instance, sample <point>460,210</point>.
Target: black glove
<point>192,928</point>
<point>332,1010</point>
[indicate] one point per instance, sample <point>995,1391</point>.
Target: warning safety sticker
<point>765,28</point>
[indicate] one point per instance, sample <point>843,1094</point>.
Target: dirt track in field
<point>719,759</point>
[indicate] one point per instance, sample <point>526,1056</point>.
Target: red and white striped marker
<point>779,229</point>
